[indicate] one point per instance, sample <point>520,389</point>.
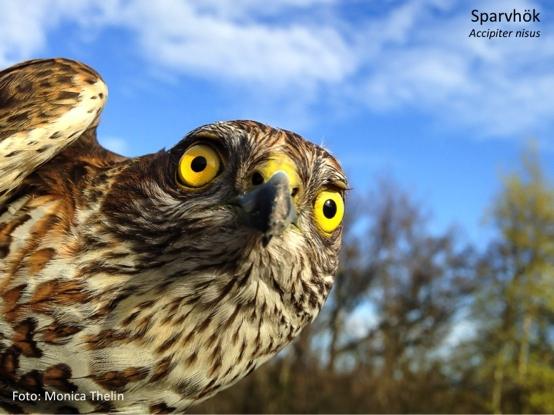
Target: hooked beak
<point>269,207</point>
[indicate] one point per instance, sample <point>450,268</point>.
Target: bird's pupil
<point>257,179</point>
<point>329,208</point>
<point>198,164</point>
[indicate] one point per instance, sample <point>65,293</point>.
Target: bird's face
<point>238,196</point>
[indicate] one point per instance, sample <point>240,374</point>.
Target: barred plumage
<point>117,276</point>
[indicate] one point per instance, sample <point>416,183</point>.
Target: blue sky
<point>391,87</point>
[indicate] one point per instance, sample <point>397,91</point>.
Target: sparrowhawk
<point>150,283</point>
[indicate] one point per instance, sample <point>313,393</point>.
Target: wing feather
<point>45,105</point>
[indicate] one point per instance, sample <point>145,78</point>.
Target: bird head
<point>237,198</point>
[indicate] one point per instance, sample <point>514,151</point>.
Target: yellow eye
<point>198,166</point>
<point>328,210</point>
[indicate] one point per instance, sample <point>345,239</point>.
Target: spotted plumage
<point>148,284</point>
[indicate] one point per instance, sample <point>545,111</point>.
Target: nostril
<point>294,191</point>
<point>257,178</point>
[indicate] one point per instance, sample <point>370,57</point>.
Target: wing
<point>45,105</point>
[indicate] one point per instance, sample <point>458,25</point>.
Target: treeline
<point>420,322</point>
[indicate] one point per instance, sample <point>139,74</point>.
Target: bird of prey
<point>148,284</point>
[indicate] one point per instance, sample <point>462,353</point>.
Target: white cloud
<point>190,39</point>
<point>415,56</point>
<point>498,87</point>
<point>16,43</point>
<point>251,9</point>
<point>24,28</point>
